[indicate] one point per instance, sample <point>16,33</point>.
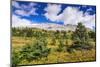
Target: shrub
<point>16,58</point>
<point>35,51</point>
<point>30,52</point>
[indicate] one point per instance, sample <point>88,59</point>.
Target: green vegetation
<point>38,46</point>
<point>81,38</point>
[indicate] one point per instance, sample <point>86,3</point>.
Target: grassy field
<point>38,46</point>
<point>54,56</point>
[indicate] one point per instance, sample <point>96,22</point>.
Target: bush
<point>30,52</point>
<point>35,51</point>
<point>79,46</point>
<point>16,58</point>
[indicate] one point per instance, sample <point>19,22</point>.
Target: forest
<point>39,46</point>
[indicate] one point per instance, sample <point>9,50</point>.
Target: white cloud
<point>89,21</point>
<point>25,10</point>
<point>26,13</point>
<point>32,4</point>
<point>18,22</point>
<point>90,9</point>
<point>52,11</point>
<point>28,6</point>
<point>21,12</point>
<point>70,15</point>
<point>15,4</point>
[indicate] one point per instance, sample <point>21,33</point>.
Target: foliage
<point>31,52</point>
<point>81,38</point>
<point>16,58</point>
<point>92,35</point>
<point>35,51</point>
<point>47,46</point>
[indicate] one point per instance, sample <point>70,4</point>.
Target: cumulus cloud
<point>70,15</point>
<point>89,21</point>
<point>24,10</point>
<point>18,22</point>
<point>52,11</point>
<point>26,13</point>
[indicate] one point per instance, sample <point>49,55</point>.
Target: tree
<point>80,33</point>
<point>92,35</point>
<point>29,32</point>
<point>81,37</point>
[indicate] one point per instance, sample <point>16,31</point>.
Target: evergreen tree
<point>81,38</point>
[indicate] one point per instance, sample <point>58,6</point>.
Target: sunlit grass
<point>61,44</point>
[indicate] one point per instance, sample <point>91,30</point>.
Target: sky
<point>28,13</point>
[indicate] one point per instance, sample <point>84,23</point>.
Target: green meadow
<point>39,46</point>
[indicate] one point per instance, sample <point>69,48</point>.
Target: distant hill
<point>52,26</point>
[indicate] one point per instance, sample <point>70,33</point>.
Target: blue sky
<point>27,13</point>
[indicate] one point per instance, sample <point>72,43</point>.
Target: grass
<point>54,56</point>
<point>60,57</point>
<point>37,46</point>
